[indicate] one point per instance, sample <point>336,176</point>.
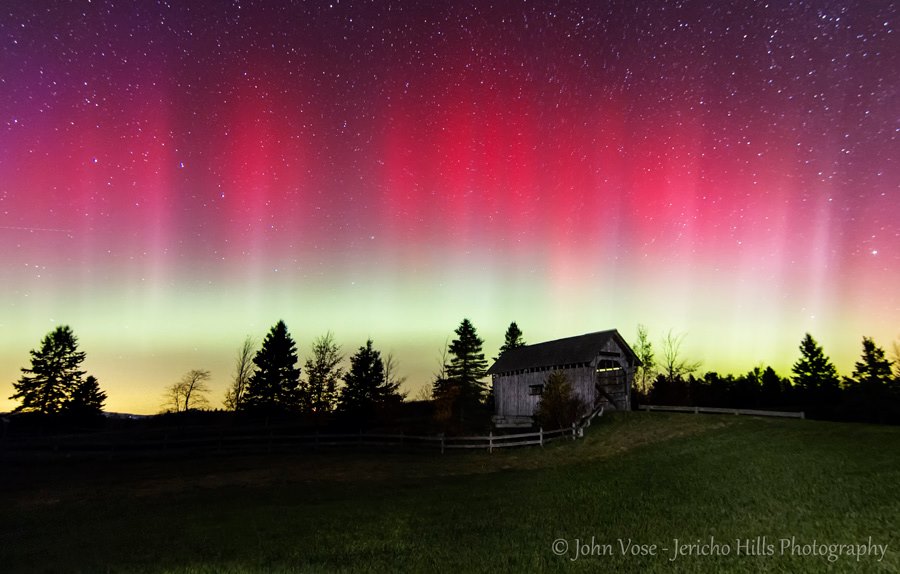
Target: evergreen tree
<point>273,386</point>
<point>364,383</point>
<point>87,399</point>
<point>873,372</point>
<point>773,388</point>
<point>319,393</point>
<point>814,374</point>
<point>513,339</point>
<point>467,365</point>
<point>55,374</point>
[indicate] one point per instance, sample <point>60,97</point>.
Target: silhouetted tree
<point>441,384</point>
<point>673,366</point>
<point>86,400</point>
<point>896,360</point>
<point>467,366</point>
<point>243,370</point>
<point>670,391</point>
<point>425,393</point>
<point>714,391</point>
<point>273,386</point>
<point>513,339</point>
<point>774,389</point>
<point>873,372</point>
<point>871,392</point>
<point>392,380</point>
<point>189,392</point>
<point>644,374</point>
<point>319,393</point>
<point>55,374</point>
<point>559,406</point>
<point>366,386</point>
<point>444,392</point>
<point>815,375</point>
<point>746,389</point>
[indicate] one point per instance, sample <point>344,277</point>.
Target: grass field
<point>724,481</point>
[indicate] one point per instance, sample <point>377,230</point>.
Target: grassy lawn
<point>650,478</point>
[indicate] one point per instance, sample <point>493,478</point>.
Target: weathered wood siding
<point>512,391</point>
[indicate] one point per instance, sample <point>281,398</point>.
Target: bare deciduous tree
<point>243,370</point>
<point>896,359</point>
<point>673,365</point>
<point>392,380</point>
<point>189,392</point>
<point>424,393</point>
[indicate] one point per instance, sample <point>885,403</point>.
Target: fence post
<point>696,410</point>
<point>573,431</point>
<point>491,442</point>
<point>802,415</point>
<point>359,438</point>
<point>442,443</point>
<point>541,435</point>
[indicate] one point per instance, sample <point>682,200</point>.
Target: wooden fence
<point>749,412</point>
<point>109,445</point>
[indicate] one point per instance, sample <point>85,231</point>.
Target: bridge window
<point>608,365</point>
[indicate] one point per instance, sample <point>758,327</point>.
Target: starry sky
<point>175,176</point>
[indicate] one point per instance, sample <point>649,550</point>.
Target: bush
<point>559,406</point>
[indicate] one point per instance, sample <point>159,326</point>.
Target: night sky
<point>177,175</point>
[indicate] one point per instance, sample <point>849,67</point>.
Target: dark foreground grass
<point>647,478</point>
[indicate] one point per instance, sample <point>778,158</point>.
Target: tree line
<point>269,381</point>
<point>871,393</point>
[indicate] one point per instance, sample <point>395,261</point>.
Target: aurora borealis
<point>177,175</point>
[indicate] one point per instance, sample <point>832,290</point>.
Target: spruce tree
<point>814,373</point>
<point>772,388</point>
<point>363,383</point>
<point>512,339</point>
<point>319,392</point>
<point>55,374</point>
<point>87,399</point>
<point>467,365</point>
<point>873,372</point>
<point>273,386</point>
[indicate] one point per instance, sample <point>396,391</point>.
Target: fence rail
<point>749,412</point>
<point>267,442</point>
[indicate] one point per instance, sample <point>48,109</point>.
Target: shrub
<point>559,406</point>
